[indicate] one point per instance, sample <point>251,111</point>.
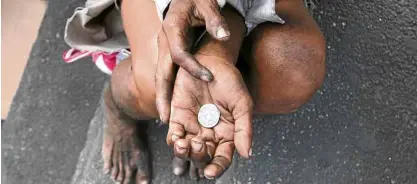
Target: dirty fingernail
<point>196,146</point>
<point>181,150</point>
<point>222,33</point>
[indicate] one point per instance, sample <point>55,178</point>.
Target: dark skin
<point>133,91</point>
<point>227,90</point>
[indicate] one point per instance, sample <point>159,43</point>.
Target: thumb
<point>216,25</point>
<point>244,130</point>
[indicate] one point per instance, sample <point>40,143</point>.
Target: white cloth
<point>254,11</point>
<point>98,26</point>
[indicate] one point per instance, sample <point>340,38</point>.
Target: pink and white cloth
<point>106,62</point>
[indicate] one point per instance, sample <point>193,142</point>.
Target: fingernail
<point>250,152</point>
<point>181,150</point>
<point>222,33</point>
<point>209,177</point>
<point>175,137</point>
<point>205,78</point>
<point>196,146</point>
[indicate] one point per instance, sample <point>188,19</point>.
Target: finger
<point>198,153</point>
<point>243,129</point>
<point>215,23</point>
<point>182,148</point>
<point>175,132</point>
<point>221,161</point>
<point>180,122</point>
<point>164,78</point>
<point>211,149</point>
<point>193,172</point>
<point>179,166</point>
<point>176,27</point>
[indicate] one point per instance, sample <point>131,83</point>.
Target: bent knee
<point>290,72</point>
<point>285,94</point>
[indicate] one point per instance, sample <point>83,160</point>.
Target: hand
<point>198,144</point>
<point>181,17</point>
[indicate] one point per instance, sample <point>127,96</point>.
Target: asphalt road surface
<point>360,127</point>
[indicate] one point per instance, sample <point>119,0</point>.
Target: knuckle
<point>177,57</point>
<point>215,19</point>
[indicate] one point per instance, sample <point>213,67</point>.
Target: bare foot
<point>124,154</point>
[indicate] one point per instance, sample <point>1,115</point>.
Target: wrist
<point>225,51</point>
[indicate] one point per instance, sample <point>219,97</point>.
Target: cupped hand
<point>216,145</point>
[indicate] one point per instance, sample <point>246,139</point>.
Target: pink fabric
<point>106,62</point>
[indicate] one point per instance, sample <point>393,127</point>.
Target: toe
<point>179,166</point>
<point>201,173</point>
<point>114,173</point>
<point>106,153</point>
<point>141,178</point>
<point>128,175</point>
<point>193,172</point>
<point>121,175</point>
<point>115,165</point>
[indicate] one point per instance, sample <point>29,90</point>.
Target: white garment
<point>254,11</point>
<point>108,35</point>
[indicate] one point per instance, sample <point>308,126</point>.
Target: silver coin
<point>208,116</point>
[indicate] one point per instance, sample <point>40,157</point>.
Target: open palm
<point>229,93</point>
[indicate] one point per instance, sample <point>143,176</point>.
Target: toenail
<point>196,146</point>
<point>106,171</point>
<point>177,171</point>
<point>209,177</point>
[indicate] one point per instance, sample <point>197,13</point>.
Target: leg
<point>287,62</point>
<point>131,95</point>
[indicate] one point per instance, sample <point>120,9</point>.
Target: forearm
<point>226,50</point>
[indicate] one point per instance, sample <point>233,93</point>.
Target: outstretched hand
<point>216,145</point>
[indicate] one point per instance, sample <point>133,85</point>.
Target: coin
<point>208,116</point>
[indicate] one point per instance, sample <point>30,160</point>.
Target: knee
<point>287,93</point>
<point>295,71</point>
